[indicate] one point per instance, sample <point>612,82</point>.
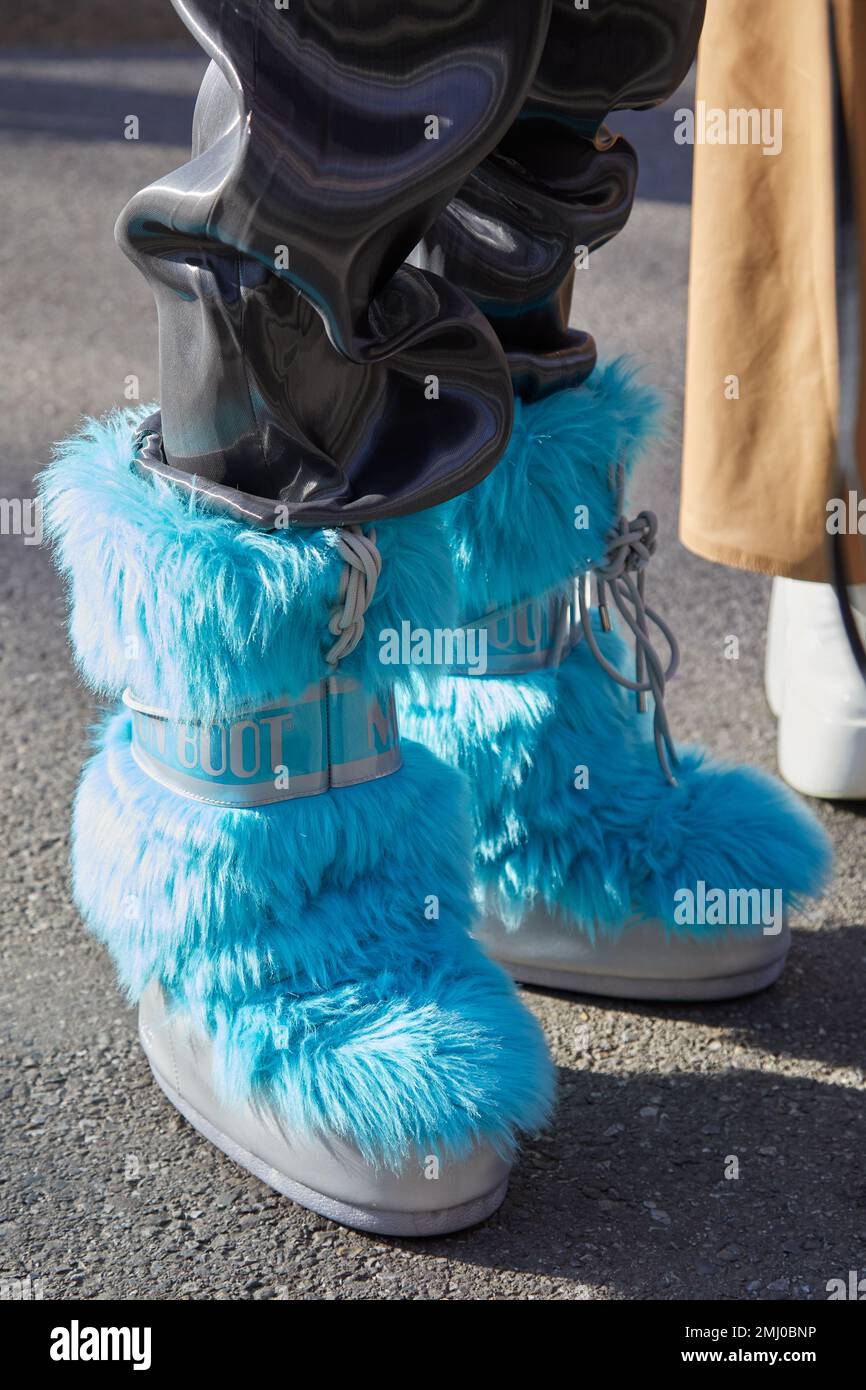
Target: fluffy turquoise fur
<point>295,934</point>
<point>514,536</point>
<point>628,841</point>
<point>199,613</point>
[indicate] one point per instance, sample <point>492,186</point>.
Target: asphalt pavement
<point>107,1193</point>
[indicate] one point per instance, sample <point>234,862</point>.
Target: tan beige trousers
<point>762,370</point>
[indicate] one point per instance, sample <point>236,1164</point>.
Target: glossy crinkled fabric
<point>371,245</point>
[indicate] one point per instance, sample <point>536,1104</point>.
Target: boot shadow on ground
<point>630,1192</point>
<point>683,1177</point>
<point>853,808</point>
<point>814,1011</point>
<point>629,1195</point>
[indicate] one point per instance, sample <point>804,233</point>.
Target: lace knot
<point>630,545</point>
<point>358,579</point>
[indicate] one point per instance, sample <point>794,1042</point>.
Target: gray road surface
<point>107,1193</point>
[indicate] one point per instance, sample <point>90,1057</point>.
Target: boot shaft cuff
<point>204,616</point>
<point>334,735</point>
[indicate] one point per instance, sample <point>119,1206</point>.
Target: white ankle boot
<point>816,691</point>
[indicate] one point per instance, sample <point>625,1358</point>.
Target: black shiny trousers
<point>371,249</point>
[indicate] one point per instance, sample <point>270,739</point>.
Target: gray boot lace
<point>630,547</point>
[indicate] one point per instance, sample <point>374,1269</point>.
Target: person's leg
<point>254,846</point>
<point>762,360</point>
<point>283,887</point>
<point>599,866</point>
<point>595,847</point>
<point>762,424</point>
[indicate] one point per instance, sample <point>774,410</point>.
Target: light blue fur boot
<point>604,861</point>
<point>282,884</point>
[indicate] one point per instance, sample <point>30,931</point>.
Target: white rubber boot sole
<point>819,756</point>
<point>438,1222</point>
<point>644,962</point>
<point>352,1192</point>
<point>819,753</point>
